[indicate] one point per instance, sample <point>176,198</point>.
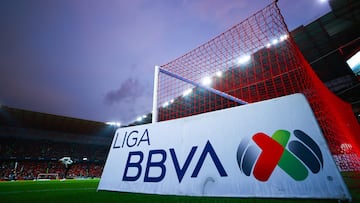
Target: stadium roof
<point>19,118</point>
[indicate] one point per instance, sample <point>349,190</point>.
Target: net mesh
<point>256,60</point>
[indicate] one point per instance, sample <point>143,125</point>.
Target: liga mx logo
<point>295,158</point>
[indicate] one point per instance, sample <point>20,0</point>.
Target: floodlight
<point>187,92</point>
<point>219,73</point>
<point>206,81</point>
<point>166,104</point>
<point>275,41</point>
<point>172,101</point>
<point>283,37</point>
<point>268,45</point>
<point>118,124</point>
<point>244,59</point>
<point>354,62</point>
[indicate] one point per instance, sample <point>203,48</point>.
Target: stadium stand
<point>33,142</point>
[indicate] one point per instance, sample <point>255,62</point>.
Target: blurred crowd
<point>22,159</point>
<point>29,170</point>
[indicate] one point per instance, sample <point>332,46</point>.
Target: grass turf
<point>85,191</point>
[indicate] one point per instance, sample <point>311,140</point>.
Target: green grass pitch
<point>79,191</point>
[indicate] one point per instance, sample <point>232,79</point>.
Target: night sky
<point>94,59</point>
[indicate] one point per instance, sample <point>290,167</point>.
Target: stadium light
<point>219,73</point>
<point>165,104</point>
<point>283,37</point>
<point>172,101</point>
<point>354,62</point>
<point>275,41</point>
<point>244,59</point>
<point>206,81</point>
<point>187,92</point>
<point>117,124</point>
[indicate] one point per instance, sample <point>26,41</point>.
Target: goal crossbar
<point>196,84</point>
<point>215,91</point>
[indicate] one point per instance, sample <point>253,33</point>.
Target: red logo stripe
<point>269,157</point>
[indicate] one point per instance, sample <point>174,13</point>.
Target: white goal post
<point>47,176</point>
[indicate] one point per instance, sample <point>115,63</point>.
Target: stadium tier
<point>32,143</point>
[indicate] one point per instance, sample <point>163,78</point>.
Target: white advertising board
<point>272,148</point>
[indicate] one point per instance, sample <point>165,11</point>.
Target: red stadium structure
<point>253,61</point>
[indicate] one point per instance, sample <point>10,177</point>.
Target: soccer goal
<point>253,61</point>
<point>47,176</point>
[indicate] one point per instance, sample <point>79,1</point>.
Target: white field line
<point>48,190</point>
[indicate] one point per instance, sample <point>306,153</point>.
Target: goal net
<point>253,61</point>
